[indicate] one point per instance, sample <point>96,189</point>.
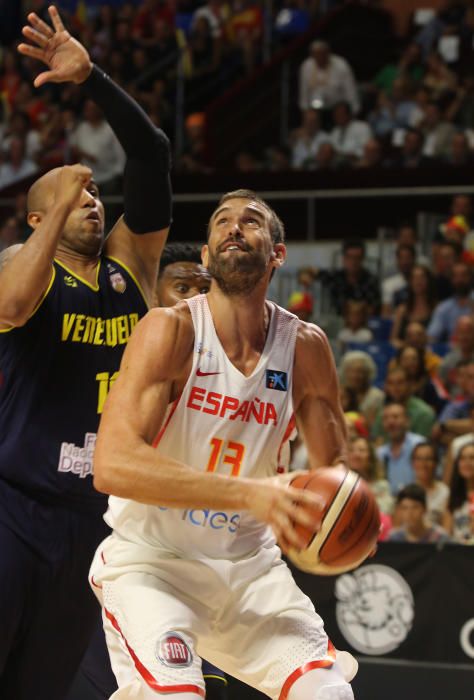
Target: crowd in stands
<point>415,111</point>
<point>405,354</point>
<point>140,43</point>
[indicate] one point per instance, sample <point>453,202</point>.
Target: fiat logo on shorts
<point>173,651</point>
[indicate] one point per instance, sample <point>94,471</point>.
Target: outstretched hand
<point>66,58</point>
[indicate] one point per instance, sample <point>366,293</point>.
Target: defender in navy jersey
<point>69,300</point>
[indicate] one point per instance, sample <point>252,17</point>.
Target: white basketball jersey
<point>223,422</point>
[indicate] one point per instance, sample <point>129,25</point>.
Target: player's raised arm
<point>127,465</point>
<point>319,414</point>
<point>147,188</point>
<point>25,271</point>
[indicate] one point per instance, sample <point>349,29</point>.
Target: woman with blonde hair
<point>357,372</point>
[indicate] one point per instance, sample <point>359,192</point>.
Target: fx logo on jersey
<point>276,380</point>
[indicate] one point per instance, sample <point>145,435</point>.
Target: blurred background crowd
<point>405,101</point>
<point>402,333</point>
<point>404,345</point>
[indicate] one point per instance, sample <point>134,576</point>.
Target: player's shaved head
<point>41,191</point>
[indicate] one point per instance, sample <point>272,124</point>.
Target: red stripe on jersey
<point>289,429</point>
<point>149,679</point>
<point>327,662</point>
<point>157,440</point>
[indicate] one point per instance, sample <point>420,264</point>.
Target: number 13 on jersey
<point>226,452</point>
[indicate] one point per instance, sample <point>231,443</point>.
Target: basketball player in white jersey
<point>189,448</point>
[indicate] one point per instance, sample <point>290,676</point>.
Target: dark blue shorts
<point>47,609</point>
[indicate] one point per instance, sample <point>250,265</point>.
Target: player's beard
<point>237,274</point>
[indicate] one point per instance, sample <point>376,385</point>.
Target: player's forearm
<point>323,430</point>
<point>134,129</point>
<point>142,474</point>
<point>146,181</point>
<point>25,277</point>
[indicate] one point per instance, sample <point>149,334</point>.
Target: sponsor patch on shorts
<point>172,650</point>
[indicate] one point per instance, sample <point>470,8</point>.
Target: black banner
<point>410,601</point>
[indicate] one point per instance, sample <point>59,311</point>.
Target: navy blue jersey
<point>55,374</point>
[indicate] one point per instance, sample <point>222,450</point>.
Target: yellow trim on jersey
<point>212,675</point>
<point>125,267</point>
<point>95,288</point>
<point>53,275</point>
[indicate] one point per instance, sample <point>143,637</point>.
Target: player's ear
<point>205,255</point>
<point>278,254</point>
<point>34,219</point>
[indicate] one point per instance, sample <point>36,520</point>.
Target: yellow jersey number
<point>106,381</point>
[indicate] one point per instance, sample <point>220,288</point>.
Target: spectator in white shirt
<point>325,79</point>
<point>424,460</point>
<point>306,140</point>
<point>438,133</point>
<point>19,125</point>
<point>349,135</point>
<point>355,324</point>
<point>17,166</point>
<point>97,147</point>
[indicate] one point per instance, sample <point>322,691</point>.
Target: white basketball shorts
<point>162,614</point>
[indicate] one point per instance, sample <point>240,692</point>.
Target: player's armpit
<point>141,254</point>
<point>319,415</point>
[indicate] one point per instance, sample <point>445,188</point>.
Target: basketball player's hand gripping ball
<point>348,524</point>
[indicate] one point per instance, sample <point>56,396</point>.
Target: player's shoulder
<point>165,332</point>
<point>9,253</point>
<point>313,356</point>
<point>310,338</point>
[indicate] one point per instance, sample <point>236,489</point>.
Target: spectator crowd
<point>414,111</point>
<point>405,353</point>
<point>142,44</point>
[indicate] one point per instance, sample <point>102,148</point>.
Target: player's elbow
<point>103,481</point>
<point>105,470</point>
<point>113,471</point>
<point>13,313</point>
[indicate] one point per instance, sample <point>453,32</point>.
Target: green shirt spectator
<point>421,416</point>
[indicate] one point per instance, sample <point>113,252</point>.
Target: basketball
<point>349,522</point>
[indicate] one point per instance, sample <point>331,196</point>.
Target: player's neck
<point>85,267</point>
<point>241,322</point>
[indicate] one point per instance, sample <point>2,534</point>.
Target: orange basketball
<point>348,525</point>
